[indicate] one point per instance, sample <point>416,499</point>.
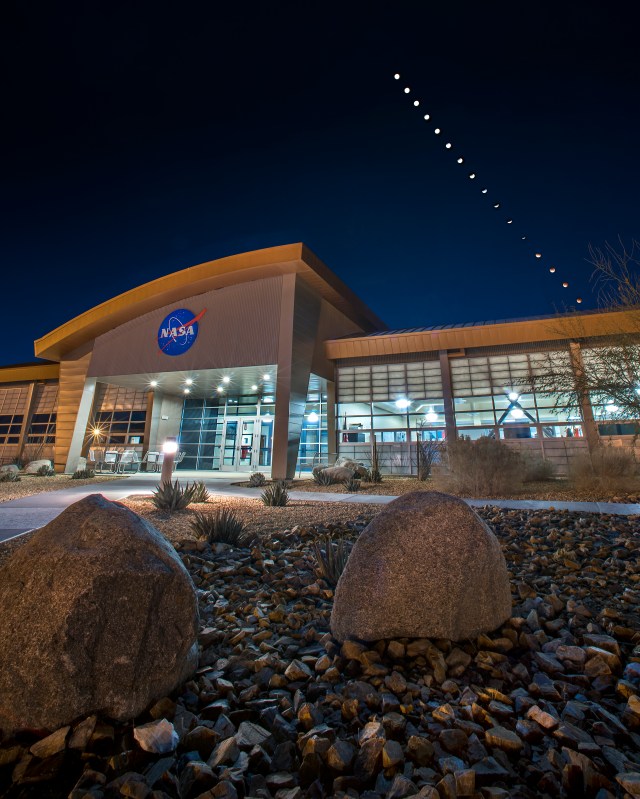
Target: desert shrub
<point>9,477</point>
<point>172,496</point>
<point>45,471</point>
<point>484,467</point>
<point>276,495</point>
<point>536,469</point>
<point>352,485</point>
<point>605,467</point>
<point>257,480</point>
<point>222,526</point>
<point>200,493</point>
<point>322,478</point>
<point>427,453</point>
<point>331,557</point>
<point>83,474</point>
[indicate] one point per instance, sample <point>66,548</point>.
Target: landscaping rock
<point>99,614</point>
<point>33,466</point>
<point>339,473</point>
<point>427,566</point>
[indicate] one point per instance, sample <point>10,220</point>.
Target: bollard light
<point>170,447</point>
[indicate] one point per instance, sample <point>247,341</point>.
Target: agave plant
<point>172,496</point>
<point>221,526</point>
<point>9,477</point>
<point>83,474</point>
<point>45,471</point>
<point>200,493</point>
<point>276,494</point>
<point>257,480</point>
<point>331,557</point>
<point>352,485</point>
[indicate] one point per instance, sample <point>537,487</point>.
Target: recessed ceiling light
<point>254,388</point>
<point>187,391</point>
<point>226,379</point>
<point>153,383</point>
<point>266,377</point>
<point>188,381</point>
<point>220,389</point>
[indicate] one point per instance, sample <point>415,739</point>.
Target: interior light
<point>517,413</point>
<point>220,389</point>
<point>188,381</point>
<point>431,416</point>
<point>514,396</point>
<point>226,379</point>
<point>403,403</point>
<point>254,388</point>
<point>313,417</point>
<point>266,377</point>
<point>612,407</point>
<point>153,383</point>
<point>187,391</point>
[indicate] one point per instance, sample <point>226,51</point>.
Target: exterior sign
<point>178,331</point>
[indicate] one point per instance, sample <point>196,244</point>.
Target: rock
<point>339,473</point>
<point>630,782</point>
<point>158,737</point>
<point>52,744</point>
<point>33,466</point>
<point>98,614</point>
<point>297,670</point>
<point>392,754</point>
<point>427,566</point>
<point>503,739</point>
<point>9,467</point>
<point>340,755</point>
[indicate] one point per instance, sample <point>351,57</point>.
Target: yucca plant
<point>352,485</point>
<point>257,480</point>
<point>276,495</point>
<point>322,478</point>
<point>331,557</point>
<point>200,493</point>
<point>45,471</point>
<point>172,496</point>
<point>222,526</point>
<point>9,477</point>
<point>83,474</point>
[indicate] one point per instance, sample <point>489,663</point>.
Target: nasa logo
<point>178,331</point>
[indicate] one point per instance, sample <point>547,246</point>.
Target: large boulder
<point>10,467</point>
<point>33,466</point>
<point>339,473</point>
<point>358,469</point>
<point>426,567</point>
<point>98,615</point>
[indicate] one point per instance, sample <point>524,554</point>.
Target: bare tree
<point>604,370</point>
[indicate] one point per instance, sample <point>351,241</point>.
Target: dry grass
<point>606,469</point>
<point>31,484</point>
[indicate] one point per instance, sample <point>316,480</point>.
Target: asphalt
<point>20,516</point>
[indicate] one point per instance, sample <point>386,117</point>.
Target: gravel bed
<point>548,705</point>
<point>31,484</point>
<point>558,489</point>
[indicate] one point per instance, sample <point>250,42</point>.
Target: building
<point>266,361</point>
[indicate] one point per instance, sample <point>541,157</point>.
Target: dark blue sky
<point>142,138</point>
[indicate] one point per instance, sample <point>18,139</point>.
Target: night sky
<point>143,138</point>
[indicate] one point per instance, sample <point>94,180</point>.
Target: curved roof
<point>232,270</point>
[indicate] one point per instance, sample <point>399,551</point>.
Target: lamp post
<point>170,447</point>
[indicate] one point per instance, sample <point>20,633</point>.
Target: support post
<point>447,396</point>
<point>590,427</point>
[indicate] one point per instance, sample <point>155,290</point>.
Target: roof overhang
<point>233,270</point>
<point>29,372</point>
<point>570,326</point>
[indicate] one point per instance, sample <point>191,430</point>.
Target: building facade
<point>267,362</point>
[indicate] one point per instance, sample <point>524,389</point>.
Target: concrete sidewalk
<point>22,515</point>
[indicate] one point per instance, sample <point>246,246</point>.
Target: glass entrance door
<point>246,444</point>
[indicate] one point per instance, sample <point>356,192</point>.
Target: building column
<point>83,414</point>
<point>332,441</point>
<point>299,317</point>
<point>590,427</point>
<point>26,419</point>
<point>447,396</point>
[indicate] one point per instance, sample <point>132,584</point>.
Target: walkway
<point>22,515</point>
